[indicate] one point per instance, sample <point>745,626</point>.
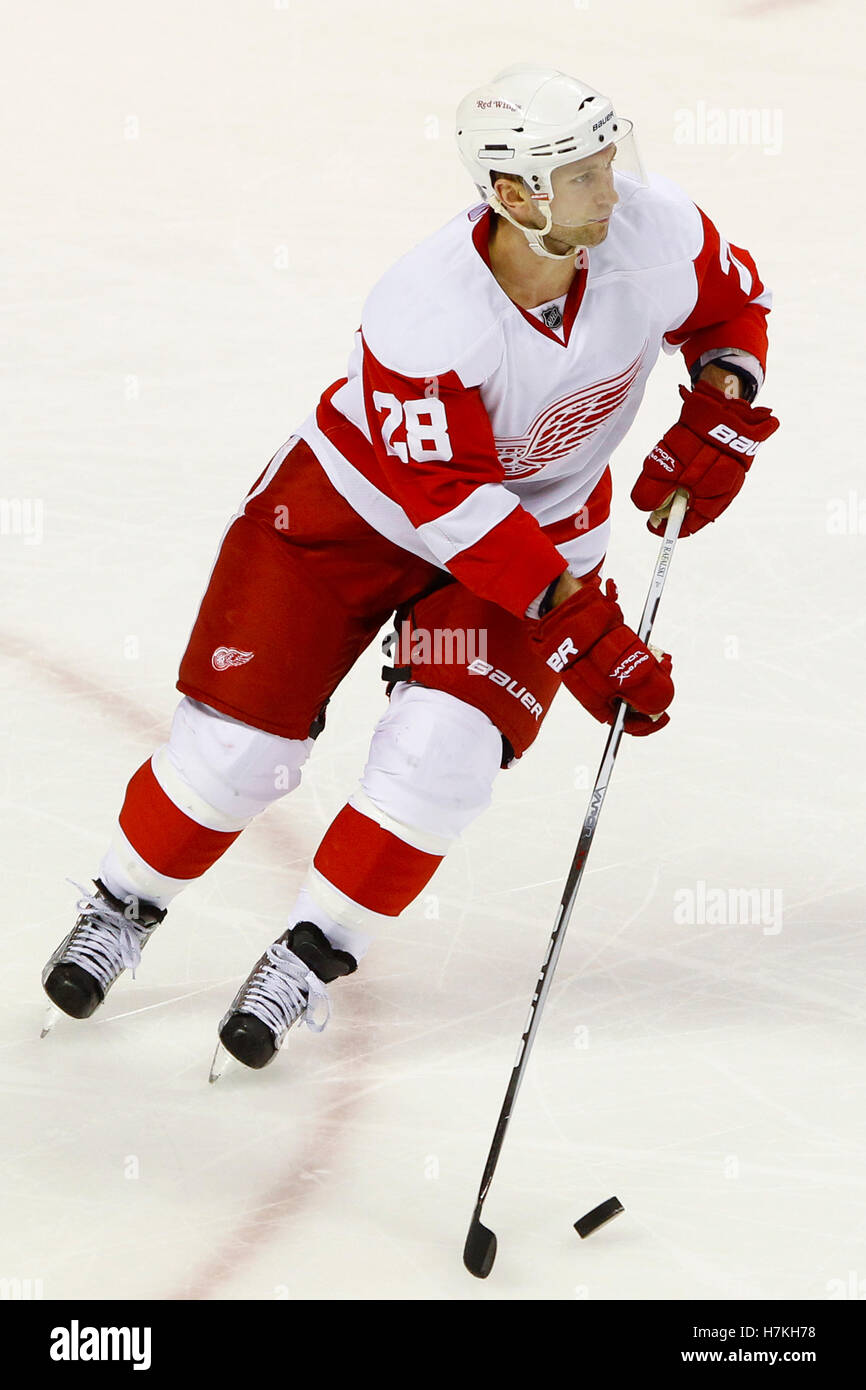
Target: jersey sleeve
<point>434,444</point>
<point>730,307</point>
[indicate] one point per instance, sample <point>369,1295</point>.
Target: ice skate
<point>108,938</point>
<point>286,985</point>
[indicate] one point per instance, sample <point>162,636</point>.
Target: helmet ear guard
<point>534,235</point>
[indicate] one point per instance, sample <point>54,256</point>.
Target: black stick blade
<point>479,1252</point>
<point>598,1216</point>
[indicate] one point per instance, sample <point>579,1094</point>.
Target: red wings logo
<point>224,657</point>
<point>566,424</point>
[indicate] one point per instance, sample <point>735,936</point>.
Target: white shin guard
<point>219,772</point>
<point>225,768</point>
<point>432,763</point>
<point>430,772</point>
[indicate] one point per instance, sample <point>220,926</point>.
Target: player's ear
<point>510,191</point>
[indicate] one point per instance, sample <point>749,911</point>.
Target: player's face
<point>583,199</point>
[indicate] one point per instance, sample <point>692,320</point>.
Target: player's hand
<point>602,660</point>
<point>708,451</point>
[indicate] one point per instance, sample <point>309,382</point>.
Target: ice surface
<point>196,201</point>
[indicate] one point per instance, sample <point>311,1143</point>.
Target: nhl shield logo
<point>224,657</point>
<point>551,316</point>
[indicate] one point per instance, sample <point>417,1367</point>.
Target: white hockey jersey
<point>477,434</point>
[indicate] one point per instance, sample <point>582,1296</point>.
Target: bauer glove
<point>602,660</point>
<point>708,451</point>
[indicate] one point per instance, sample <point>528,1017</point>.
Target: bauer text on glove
<point>602,660</point>
<point>708,451</point>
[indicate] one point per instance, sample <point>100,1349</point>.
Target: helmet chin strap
<point>534,235</point>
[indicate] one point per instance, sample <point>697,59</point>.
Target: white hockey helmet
<point>528,121</point>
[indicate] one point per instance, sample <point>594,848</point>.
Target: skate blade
<point>51,1016</point>
<point>221,1059</point>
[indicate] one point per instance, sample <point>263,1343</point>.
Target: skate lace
<point>284,989</point>
<point>103,941</point>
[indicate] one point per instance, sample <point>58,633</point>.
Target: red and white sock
<point>166,836</point>
<point>368,867</point>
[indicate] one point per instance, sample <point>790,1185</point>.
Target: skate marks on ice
<point>82,1043</point>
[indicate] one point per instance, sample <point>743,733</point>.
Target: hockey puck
<point>598,1216</point>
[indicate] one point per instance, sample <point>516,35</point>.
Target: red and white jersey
<point>477,434</point>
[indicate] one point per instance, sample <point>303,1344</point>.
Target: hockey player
<point>459,477</point>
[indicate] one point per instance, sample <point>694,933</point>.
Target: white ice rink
<point>197,198</point>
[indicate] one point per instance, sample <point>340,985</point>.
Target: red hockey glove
<point>601,659</point>
<point>708,451</point>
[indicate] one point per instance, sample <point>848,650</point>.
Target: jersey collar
<point>481,240</point>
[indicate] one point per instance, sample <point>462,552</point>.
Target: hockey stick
<point>479,1251</point>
